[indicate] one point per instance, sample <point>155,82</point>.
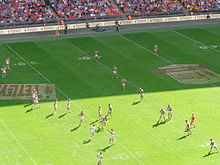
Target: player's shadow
<point>29,110</point>
<point>61,116</point>
<point>159,123</point>
<point>209,154</point>
<point>99,129</point>
<point>74,129</point>
<point>49,115</point>
<point>86,141</point>
<point>26,105</point>
<point>94,122</point>
<point>106,148</point>
<point>183,137</point>
<point>135,103</point>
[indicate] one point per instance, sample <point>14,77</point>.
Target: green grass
<point>34,138</point>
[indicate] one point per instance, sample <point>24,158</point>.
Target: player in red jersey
<point>193,120</point>
<point>56,34</point>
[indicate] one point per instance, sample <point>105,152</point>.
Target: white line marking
<point>22,58</point>
<point>63,92</point>
<point>135,43</point>
<point>196,41</point>
<point>20,144</point>
<point>130,153</point>
<point>106,67</point>
<point>169,60</point>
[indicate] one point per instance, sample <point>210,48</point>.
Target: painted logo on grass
<point>190,73</point>
<point>24,91</point>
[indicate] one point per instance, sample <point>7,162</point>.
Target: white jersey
<point>68,104</point>
<point>92,129</point>
<point>188,124</point>
<point>110,109</point>
<point>7,62</point>
<point>169,109</point>
<point>96,54</point>
<point>81,117</point>
<point>112,135</point>
<point>4,70</point>
<point>36,100</point>
<point>34,95</point>
<point>162,112</point>
<point>100,156</point>
<point>100,112</point>
<point>115,70</point>
<point>213,143</point>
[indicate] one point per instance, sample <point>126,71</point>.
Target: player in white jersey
<point>123,83</point>
<point>36,103</point>
<point>81,117</point>
<point>7,62</point>
<point>55,106</point>
<point>155,50</point>
<point>34,94</point>
<point>100,112</point>
<point>104,121</point>
<point>97,55</point>
<point>68,106</point>
<point>111,136</point>
<point>162,115</point>
<point>170,111</point>
<point>115,72</point>
<point>213,145</point>
<point>4,71</point>
<point>110,110</point>
<point>141,92</point>
<point>100,157</point>
<point>92,130</point>
<point>188,128</point>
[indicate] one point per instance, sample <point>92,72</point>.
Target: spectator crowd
<point>31,11</point>
<point>76,9</point>
<point>200,5</point>
<point>138,7</point>
<point>24,11</point>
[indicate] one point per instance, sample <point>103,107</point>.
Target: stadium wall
<point>107,23</point>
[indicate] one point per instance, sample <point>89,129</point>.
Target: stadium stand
<point>24,11</point>
<point>201,5</point>
<point>77,9</point>
<point>13,12</point>
<point>141,7</point>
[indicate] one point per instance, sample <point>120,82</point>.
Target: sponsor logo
<point>190,73</point>
<point>24,91</point>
